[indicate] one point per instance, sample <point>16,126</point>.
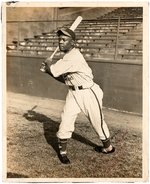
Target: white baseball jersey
<point>88,99</point>
<point>74,64</point>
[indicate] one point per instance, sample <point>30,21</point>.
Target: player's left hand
<point>46,67</point>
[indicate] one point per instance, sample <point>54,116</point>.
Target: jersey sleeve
<point>71,62</point>
<point>62,66</point>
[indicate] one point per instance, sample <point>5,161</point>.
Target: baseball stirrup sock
<point>106,143</point>
<point>62,143</point>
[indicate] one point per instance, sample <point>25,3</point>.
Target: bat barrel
<point>76,23</point>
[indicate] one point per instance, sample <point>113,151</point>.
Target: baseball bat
<point>73,27</point>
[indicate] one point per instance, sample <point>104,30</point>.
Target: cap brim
<point>61,31</point>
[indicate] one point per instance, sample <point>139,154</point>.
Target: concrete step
<point>114,25</point>
<point>37,48</point>
<point>135,50</point>
<point>43,44</point>
<point>130,56</point>
<point>33,52</point>
<point>132,36</point>
<point>94,42</point>
<point>100,31</point>
<point>133,41</point>
<point>92,46</point>
<point>104,28</point>
<point>127,45</point>
<point>136,33</point>
<point>83,36</point>
<point>14,51</point>
<point>103,21</point>
<point>43,40</point>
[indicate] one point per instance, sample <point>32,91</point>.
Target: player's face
<point>65,43</point>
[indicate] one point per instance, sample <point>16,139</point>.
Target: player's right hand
<point>43,69</point>
<point>48,61</point>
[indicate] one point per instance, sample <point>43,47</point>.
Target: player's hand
<point>48,61</point>
<point>45,67</point>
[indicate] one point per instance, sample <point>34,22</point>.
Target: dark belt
<point>76,87</point>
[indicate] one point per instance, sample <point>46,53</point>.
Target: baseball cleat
<point>64,159</point>
<point>101,149</point>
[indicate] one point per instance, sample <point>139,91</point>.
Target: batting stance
<point>83,94</point>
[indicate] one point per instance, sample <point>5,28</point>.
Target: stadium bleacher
<point>105,38</point>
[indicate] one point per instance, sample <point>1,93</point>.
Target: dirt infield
<point>32,144</point>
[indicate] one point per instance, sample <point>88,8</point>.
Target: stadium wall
<point>121,82</point>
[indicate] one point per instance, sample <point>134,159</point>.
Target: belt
<point>76,87</point>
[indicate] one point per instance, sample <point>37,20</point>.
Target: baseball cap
<point>67,32</point>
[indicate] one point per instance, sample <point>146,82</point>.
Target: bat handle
<point>42,69</point>
<point>54,52</point>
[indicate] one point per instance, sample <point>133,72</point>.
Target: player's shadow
<point>50,129</point>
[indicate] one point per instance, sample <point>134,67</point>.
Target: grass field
<point>32,146</point>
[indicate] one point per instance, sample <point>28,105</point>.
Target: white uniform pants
<point>90,102</point>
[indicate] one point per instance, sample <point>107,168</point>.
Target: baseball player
<point>83,94</point>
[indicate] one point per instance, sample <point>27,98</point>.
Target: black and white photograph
<point>85,61</point>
